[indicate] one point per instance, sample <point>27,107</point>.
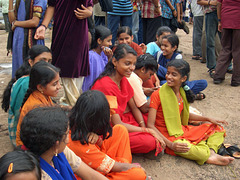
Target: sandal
<point>223,150</point>
<point>234,151</point>
<point>211,72</point>
<point>197,57</point>
<point>200,96</point>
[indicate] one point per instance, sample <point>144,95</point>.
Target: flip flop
<point>234,151</point>
<point>200,96</point>
<point>223,151</point>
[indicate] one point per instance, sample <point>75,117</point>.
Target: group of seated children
<point>112,119</point>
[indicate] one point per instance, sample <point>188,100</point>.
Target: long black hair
<point>16,162</point>
<point>91,113</point>
<point>42,127</point>
<point>24,70</point>
<point>184,69</point>
<point>101,32</point>
<point>120,52</point>
<point>41,73</point>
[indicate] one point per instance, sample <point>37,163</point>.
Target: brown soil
<point>222,102</point>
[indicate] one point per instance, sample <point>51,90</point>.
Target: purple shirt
<point>97,63</point>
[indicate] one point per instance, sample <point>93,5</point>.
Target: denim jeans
<point>115,21</point>
<point>211,25</point>
<point>99,20</point>
<point>6,21</point>
<point>197,35</point>
<point>140,31</point>
<point>135,26</point>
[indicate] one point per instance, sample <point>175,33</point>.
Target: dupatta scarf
<point>62,170</point>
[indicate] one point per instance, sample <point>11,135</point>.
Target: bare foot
<point>219,160</point>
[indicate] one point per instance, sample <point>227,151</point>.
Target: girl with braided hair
<point>43,84</point>
<point>169,117</point>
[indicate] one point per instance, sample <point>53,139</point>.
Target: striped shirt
<point>122,8</point>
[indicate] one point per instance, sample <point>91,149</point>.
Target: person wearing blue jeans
<point>211,28</point>
<point>211,31</point>
<point>120,16</point>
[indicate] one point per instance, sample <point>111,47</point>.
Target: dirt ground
<point>222,102</point>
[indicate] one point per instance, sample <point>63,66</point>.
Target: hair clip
<point>10,168</point>
<point>186,88</point>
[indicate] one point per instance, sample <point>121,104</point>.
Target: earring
<point>56,154</point>
<point>114,67</point>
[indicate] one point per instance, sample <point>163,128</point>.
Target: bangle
<point>44,26</point>
<point>219,20</point>
<point>11,10</point>
<point>13,23</point>
<point>141,122</point>
<point>173,10</point>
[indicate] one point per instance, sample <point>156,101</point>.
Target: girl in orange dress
<point>43,84</point>
<point>110,152</point>
<point>169,116</point>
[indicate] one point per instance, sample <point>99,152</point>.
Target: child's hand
<point>40,32</point>
<point>108,52</point>
<point>144,47</point>
<point>92,138</point>
<point>82,13</point>
<point>218,122</point>
<point>180,147</point>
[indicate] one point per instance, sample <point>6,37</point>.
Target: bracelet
<point>11,10</point>
<point>44,26</point>
<point>141,122</point>
<point>158,6</point>
<point>173,10</point>
<point>13,23</point>
<point>219,20</point>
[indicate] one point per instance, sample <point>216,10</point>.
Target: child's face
<point>107,41</point>
<point>45,56</point>
<point>53,87</point>
<point>146,74</point>
<point>167,48</point>
<point>126,65</point>
<point>125,38</point>
<point>30,175</point>
<point>159,38</point>
<point>174,78</point>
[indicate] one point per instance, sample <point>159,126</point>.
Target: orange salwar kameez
<point>114,149</point>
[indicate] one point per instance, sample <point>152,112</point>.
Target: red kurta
<point>140,142</point>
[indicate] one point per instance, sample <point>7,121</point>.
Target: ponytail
<point>22,71</point>
<point>189,93</point>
